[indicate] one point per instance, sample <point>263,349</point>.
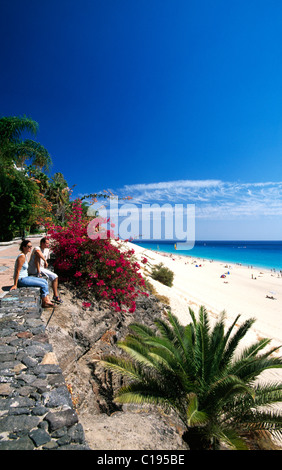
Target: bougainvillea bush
<point>97,266</point>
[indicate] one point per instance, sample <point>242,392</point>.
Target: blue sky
<point>165,101</point>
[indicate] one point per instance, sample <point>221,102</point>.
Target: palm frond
<point>266,420</point>
<point>249,369</point>
<point>254,348</point>
<point>224,389</point>
<point>124,367</point>
<point>144,393</point>
<point>143,331</point>
<point>153,350</point>
<point>11,127</point>
<point>231,438</point>
<point>194,416</point>
<point>165,328</point>
<point>235,340</point>
<point>202,341</point>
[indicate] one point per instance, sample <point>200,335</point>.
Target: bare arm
<point>40,255</point>
<point>20,262</point>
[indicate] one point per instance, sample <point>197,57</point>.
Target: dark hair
<point>23,244</point>
<point>43,240</point>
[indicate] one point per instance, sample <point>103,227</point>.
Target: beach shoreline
<point>250,292</point>
<point>245,291</point>
<point>252,262</point>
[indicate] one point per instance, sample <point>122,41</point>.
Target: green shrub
<point>162,274</point>
<point>17,195</point>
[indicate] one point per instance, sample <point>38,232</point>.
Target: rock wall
<point>80,338</point>
<point>36,406</point>
<point>54,393</point>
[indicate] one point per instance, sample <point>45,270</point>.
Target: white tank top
<point>23,271</point>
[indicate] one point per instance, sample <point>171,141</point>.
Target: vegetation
<point>15,150</point>
<point>28,197</point>
<point>17,198</point>
<point>31,200</point>
<point>99,268</point>
<point>162,274</point>
<point>195,371</point>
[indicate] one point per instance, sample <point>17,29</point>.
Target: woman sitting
<point>22,279</point>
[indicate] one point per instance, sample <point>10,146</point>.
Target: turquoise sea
<point>262,254</point>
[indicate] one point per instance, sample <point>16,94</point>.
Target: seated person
<point>38,266</point>
<point>22,279</point>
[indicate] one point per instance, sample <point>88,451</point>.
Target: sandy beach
<point>197,282</point>
<point>252,293</point>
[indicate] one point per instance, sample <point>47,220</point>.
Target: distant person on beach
<point>38,266</point>
<point>22,279</point>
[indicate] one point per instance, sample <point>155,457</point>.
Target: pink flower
<point>93,275</point>
<point>133,308</point>
<point>72,245</point>
<point>110,262</point>
<point>86,304</point>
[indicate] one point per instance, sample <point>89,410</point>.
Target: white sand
<point>243,291</point>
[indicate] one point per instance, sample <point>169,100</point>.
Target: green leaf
<point>194,416</point>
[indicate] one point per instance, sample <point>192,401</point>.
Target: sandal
<point>57,300</point>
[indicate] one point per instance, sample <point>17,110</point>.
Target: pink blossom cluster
<point>99,268</point>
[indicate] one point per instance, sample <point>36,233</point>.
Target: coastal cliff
<point>80,338</point>
<point>36,408</point>
<point>54,394</point>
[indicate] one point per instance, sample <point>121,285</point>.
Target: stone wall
<point>36,408</point>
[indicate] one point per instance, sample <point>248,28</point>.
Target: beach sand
<point>243,291</point>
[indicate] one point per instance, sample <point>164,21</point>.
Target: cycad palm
<point>193,370</point>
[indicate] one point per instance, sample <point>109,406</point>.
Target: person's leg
<point>55,287</point>
<point>54,280</point>
<point>31,281</point>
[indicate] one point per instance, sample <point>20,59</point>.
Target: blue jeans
<point>30,281</point>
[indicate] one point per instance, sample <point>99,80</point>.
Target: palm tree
<point>15,150</point>
<point>58,194</point>
<point>193,370</point>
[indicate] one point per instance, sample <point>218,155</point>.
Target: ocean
<point>261,254</point>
